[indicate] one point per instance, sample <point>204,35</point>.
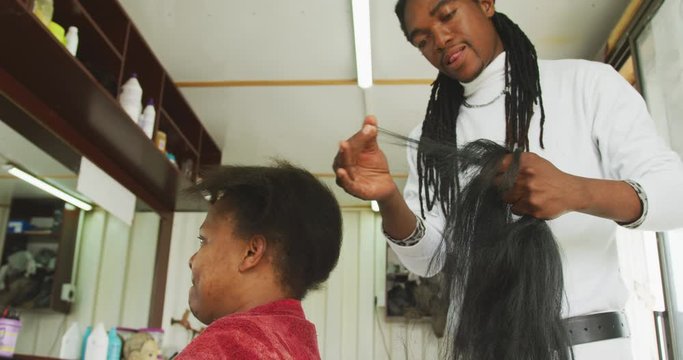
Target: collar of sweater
<point>489,84</point>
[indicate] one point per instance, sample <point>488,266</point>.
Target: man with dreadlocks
<point>592,158</point>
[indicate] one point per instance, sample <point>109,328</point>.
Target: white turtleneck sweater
<point>597,126</point>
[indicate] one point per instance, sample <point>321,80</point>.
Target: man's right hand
<point>360,166</point>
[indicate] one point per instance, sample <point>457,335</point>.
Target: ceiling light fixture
<point>361,35</point>
<point>48,188</point>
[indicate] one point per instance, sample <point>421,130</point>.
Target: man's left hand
<point>541,190</point>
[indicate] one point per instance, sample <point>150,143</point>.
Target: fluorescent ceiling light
<point>361,35</point>
<point>48,188</point>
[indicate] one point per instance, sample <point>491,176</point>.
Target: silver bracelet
<point>642,196</point>
<point>413,238</point>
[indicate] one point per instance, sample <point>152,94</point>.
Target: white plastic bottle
<point>72,40</point>
<point>98,344</point>
<point>146,121</point>
<point>71,343</point>
<point>131,98</point>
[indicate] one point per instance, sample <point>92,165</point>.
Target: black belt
<point>596,327</point>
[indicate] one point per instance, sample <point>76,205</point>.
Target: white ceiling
<point>221,40</point>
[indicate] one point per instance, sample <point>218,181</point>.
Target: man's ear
<point>254,252</point>
<point>488,7</point>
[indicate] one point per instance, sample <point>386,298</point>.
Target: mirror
<point>39,229</point>
<point>62,265</point>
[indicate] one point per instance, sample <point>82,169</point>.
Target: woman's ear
<point>488,7</point>
<point>253,253</point>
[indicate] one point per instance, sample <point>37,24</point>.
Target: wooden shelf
<point>34,234</point>
<point>32,357</point>
<point>72,13</point>
<point>110,18</point>
<point>186,156</point>
<point>209,153</point>
<point>102,59</point>
<point>69,106</point>
<point>141,61</point>
<point>76,98</point>
<point>176,140</point>
<point>181,113</point>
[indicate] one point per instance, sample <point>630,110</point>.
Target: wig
<point>503,273</point>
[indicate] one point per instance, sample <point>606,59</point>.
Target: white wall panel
<point>26,341</point>
<point>184,243</point>
<point>366,282</point>
<point>106,288</point>
<point>139,276</point>
<point>348,266</point>
<point>112,269</point>
<point>361,265</point>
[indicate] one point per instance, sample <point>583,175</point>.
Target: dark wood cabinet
<point>76,97</point>
<point>68,107</point>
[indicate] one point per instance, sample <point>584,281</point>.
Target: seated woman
<point>271,235</point>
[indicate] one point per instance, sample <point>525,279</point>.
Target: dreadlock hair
<point>523,91</point>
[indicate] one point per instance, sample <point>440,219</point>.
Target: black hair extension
<point>503,274</point>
